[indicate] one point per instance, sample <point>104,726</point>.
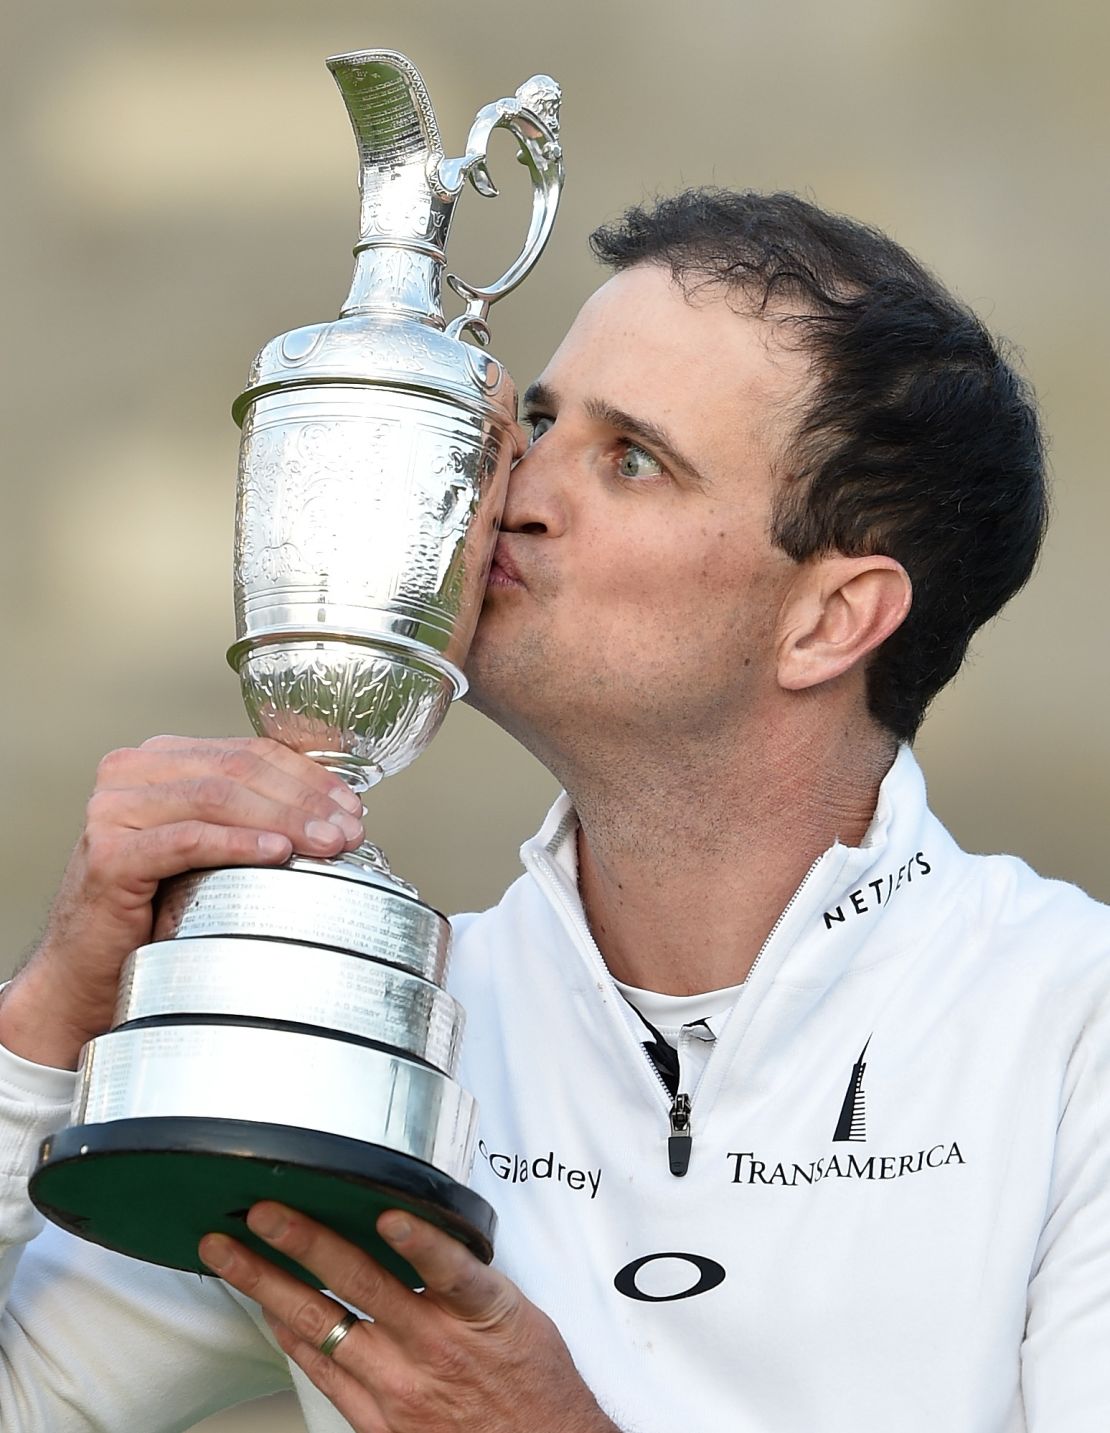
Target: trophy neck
<point>396,279</point>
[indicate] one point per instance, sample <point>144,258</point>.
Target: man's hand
<point>469,1353</point>
<point>171,805</point>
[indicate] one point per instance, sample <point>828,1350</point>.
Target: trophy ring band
<point>338,1334</point>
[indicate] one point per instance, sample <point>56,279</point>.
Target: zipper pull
<point>681,1137</point>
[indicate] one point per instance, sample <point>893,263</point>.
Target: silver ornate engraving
<point>323,697</point>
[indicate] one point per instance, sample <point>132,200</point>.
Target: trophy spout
<point>389,107</point>
<point>404,211</point>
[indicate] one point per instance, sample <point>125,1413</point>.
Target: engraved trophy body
<point>286,1033</point>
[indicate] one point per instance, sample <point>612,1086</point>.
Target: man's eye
<point>539,426</point>
<point>637,462</point>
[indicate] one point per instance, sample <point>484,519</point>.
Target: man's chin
<point>507,667</point>
<point>495,686</point>
<point>477,694</point>
<point>502,713</point>
<point>485,693</point>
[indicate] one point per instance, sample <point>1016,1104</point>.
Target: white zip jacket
<point>896,1210</point>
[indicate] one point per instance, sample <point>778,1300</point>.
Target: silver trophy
<point>286,1033</point>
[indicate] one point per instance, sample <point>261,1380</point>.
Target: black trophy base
<point>152,1188</point>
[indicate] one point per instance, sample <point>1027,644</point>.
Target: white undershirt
<point>691,1023</point>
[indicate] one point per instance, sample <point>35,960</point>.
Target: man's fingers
<point>316,825</point>
<point>350,1396</point>
<point>453,1277</point>
<point>301,1319</point>
<point>140,858</point>
<point>350,1274</point>
<point>251,783</point>
<point>310,1314</point>
<point>468,1352</point>
<point>264,766</point>
<point>243,752</point>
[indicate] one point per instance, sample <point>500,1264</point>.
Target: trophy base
<point>153,1187</point>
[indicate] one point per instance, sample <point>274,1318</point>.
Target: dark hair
<point>919,439</point>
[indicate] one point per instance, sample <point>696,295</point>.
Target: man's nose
<point>535,503</point>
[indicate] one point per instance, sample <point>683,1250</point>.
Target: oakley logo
<point>709,1275</point>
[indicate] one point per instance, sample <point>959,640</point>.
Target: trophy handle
<point>532,116</point>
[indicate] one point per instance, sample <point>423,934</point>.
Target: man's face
<point>636,584</point>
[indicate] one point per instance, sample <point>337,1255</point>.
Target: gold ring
<point>338,1334</point>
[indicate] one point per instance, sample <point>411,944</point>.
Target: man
<point>793,1113</point>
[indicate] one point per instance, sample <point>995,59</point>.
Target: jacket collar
<point>900,813</point>
<point>857,906</point>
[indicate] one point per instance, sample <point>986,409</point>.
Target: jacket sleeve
<point>90,1339</point>
<point>1065,1367</point>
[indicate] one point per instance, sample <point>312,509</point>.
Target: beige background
<point>179,181</point>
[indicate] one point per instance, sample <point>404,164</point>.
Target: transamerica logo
<point>851,1127</point>
<point>747,1169</point>
<point>852,1124</point>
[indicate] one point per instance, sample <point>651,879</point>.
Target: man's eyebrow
<point>537,395</point>
<point>540,396</point>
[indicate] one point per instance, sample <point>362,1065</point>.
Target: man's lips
<point>503,570</point>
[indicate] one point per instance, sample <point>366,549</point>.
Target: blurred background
<point>180,186</point>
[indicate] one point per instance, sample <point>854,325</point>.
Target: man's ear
<point>838,610</point>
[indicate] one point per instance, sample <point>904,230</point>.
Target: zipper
<point>784,913</point>
<point>680,1140</point>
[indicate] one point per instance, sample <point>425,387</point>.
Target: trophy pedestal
<point>153,1187</point>
<point>286,1036</point>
